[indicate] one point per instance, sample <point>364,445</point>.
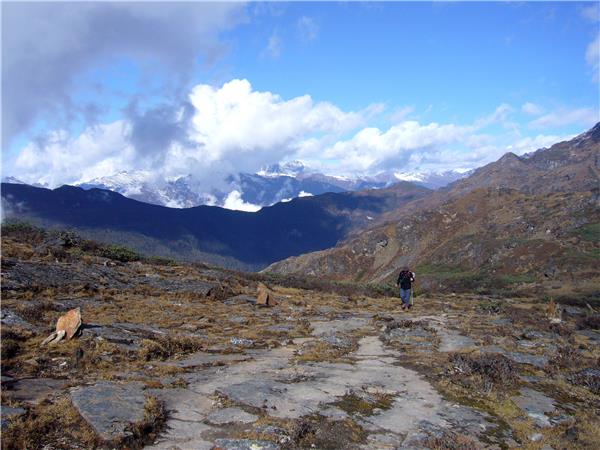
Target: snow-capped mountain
<point>433,179</point>
<point>249,192</point>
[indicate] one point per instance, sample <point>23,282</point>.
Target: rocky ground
<point>180,357</point>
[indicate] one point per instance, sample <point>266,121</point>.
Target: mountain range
<point>247,191</point>
<point>212,234</point>
<point>521,218</point>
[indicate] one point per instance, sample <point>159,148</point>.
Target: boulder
<point>110,408</point>
<point>244,444</point>
<point>70,323</point>
<point>265,296</point>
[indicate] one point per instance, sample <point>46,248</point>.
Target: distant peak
<point>510,157</point>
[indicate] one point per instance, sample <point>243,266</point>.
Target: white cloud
<point>233,128</point>
<point>62,159</point>
<point>532,109</point>
<point>305,194</point>
<point>530,144</point>
<point>274,45</point>
<point>592,57</point>
<point>399,114</point>
<point>564,116</point>
<point>234,201</point>
<point>407,143</point>
<point>499,115</point>
<point>48,48</point>
<point>308,28</point>
<point>228,130</point>
<point>234,122</point>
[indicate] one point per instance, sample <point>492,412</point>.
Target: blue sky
<point>353,88</point>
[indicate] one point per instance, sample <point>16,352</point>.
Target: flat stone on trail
<point>454,342</point>
<point>34,390</point>
<point>110,408</point>
<point>240,300</point>
<point>244,444</point>
<point>206,359</point>
<point>334,326</point>
<point>231,415</point>
<point>535,405</point>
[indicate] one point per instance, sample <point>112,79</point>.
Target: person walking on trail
<point>405,280</point>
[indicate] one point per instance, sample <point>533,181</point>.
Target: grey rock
<point>272,431</point>
<point>241,342</point>
<point>337,341</point>
<point>195,286</point>
<point>536,405</point>
<point>115,335</point>
<point>34,390</point>
<point>502,321</point>
<point>9,318</point>
<point>244,444</point>
<point>199,359</point>
<point>283,328</point>
<point>110,408</point>
<point>140,329</point>
<point>8,412</point>
<point>231,415</point>
<point>539,361</point>
<point>240,300</point>
<point>340,325</point>
<point>453,342</point>
<point>592,335</point>
<point>238,320</point>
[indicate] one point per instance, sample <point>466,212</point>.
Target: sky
<point>349,88</point>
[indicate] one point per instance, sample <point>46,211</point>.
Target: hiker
<point>405,280</point>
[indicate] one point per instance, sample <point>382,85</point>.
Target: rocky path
<point>272,385</point>
<point>317,370</point>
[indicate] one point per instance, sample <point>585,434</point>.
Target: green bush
<point>23,231</point>
<point>119,253</point>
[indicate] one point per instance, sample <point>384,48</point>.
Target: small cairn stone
<point>265,296</point>
<point>66,327</point>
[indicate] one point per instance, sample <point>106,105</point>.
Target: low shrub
<point>491,370</point>
<point>119,253</point>
<point>589,322</point>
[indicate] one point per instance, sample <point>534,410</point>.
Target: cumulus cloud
<point>530,144</point>
<point>46,46</point>
<point>215,133</point>
<point>62,159</point>
<point>372,149</point>
<point>218,132</point>
<point>565,116</point>
<point>234,201</point>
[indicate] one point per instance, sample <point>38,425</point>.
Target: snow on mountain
<point>288,169</point>
<point>432,179</point>
<point>249,192</point>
